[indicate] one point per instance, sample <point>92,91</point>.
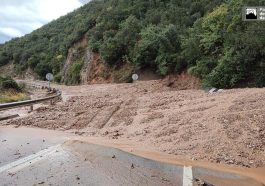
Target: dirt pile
<point>226,127</point>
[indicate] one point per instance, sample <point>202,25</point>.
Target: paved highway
<point>41,157</point>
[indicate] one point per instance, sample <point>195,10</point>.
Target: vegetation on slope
<point>207,37</point>
<point>10,91</point>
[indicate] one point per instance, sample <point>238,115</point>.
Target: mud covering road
<point>226,127</point>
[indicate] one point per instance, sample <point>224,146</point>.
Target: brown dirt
<point>226,127</point>
<point>98,72</point>
<point>7,70</point>
<point>182,81</point>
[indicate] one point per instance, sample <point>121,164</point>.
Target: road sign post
<point>49,77</point>
<point>135,77</point>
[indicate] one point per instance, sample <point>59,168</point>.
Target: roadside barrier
<point>30,103</point>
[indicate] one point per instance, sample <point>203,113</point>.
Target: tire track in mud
<point>190,123</point>
<point>107,115</point>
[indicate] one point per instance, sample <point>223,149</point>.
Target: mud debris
<point>226,128</point>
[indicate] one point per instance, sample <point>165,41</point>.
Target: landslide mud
<point>226,127</point>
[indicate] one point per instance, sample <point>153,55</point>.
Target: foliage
<point>7,83</point>
<point>124,74</point>
<point>227,53</point>
<point>157,48</point>
<point>11,96</point>
<point>207,37</point>
<point>74,75</point>
<point>58,78</point>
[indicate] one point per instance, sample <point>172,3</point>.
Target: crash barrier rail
<point>30,103</point>
<point>35,84</point>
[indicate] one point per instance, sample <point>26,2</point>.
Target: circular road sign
<point>49,77</point>
<point>135,77</point>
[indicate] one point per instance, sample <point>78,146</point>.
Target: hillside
<point>108,40</point>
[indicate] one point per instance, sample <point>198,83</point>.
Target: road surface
<point>41,157</point>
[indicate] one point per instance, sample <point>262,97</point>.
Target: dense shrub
<point>74,74</point>
<point>7,83</point>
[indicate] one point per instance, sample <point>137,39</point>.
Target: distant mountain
<point>207,38</point>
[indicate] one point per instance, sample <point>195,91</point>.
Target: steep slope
<point>46,49</point>
<point>208,38</point>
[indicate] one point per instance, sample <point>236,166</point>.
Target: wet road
<point>40,157</point>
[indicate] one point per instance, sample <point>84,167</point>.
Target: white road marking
<point>187,176</point>
<point>29,160</point>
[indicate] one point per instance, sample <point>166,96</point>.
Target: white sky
<point>19,17</point>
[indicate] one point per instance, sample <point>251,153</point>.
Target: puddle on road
<point>151,154</point>
<point>132,148</point>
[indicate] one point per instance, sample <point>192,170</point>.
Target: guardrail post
<point>30,108</point>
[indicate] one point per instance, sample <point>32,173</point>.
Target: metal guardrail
<point>7,106</point>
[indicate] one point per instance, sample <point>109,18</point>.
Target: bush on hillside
<point>7,83</point>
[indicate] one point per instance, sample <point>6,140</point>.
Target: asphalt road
<point>40,157</point>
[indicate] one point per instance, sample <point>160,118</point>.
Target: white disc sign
<point>49,77</point>
<point>135,77</point>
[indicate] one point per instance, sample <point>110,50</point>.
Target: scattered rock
<point>202,183</point>
<point>164,179</point>
<point>78,114</point>
<point>79,133</point>
<point>212,90</point>
<point>17,153</point>
<point>11,174</point>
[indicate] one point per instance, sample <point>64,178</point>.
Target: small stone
<point>164,179</point>
<point>11,174</point>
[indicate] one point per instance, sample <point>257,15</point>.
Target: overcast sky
<point>19,17</point>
